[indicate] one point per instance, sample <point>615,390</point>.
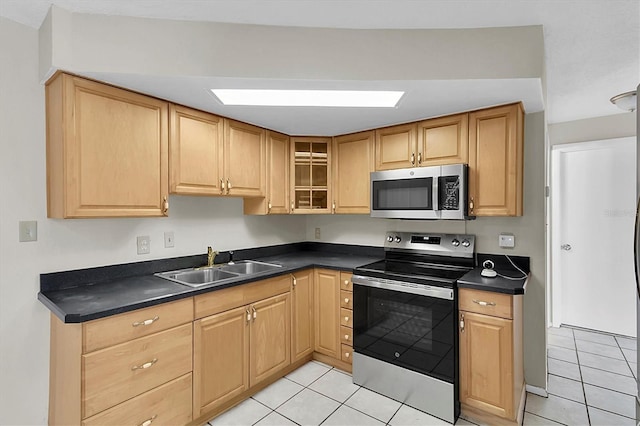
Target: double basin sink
<point>197,277</point>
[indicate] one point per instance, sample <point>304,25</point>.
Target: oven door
<point>413,327</point>
<point>405,193</point>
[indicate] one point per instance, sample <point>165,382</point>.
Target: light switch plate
<point>144,244</point>
<point>168,239</point>
<point>507,240</point>
<point>28,231</point>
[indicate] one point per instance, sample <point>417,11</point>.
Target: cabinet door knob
<point>248,315</point>
<point>413,158</point>
<point>165,206</point>
<point>346,337</point>
<point>333,207</point>
<point>228,186</point>
<point>346,300</point>
<point>346,319</point>
<point>269,207</point>
<point>255,313</point>
<point>471,205</point>
<point>149,420</point>
<point>346,282</point>
<point>222,187</point>
<point>419,158</point>
<point>347,354</point>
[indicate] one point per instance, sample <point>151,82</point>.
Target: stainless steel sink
<point>248,267</point>
<point>198,277</point>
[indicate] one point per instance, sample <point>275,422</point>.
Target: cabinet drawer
<point>346,317</point>
<point>110,331</point>
<point>486,302</point>
<point>346,299</point>
<point>345,281</point>
<point>346,335</point>
<point>169,404</point>
<point>245,294</point>
<point>347,353</point>
<point>120,372</point>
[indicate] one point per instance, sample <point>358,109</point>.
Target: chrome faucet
<point>211,255</point>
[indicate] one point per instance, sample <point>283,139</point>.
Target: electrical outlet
<point>168,239</point>
<point>28,231</point>
<point>144,244</point>
<point>317,233</point>
<point>507,240</point>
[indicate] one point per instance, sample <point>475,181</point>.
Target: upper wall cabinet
<point>353,161</point>
<point>495,161</point>
<point>396,147</point>
<point>443,140</point>
<point>195,148</point>
<point>276,200</point>
<point>311,175</point>
<point>106,151</point>
<point>244,159</point>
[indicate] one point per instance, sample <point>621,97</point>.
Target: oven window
<point>403,194</point>
<point>412,331</point>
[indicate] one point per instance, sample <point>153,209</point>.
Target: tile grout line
<point>584,392</point>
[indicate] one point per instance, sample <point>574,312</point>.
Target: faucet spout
<point>211,255</point>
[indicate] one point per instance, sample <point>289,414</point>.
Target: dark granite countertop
<point>498,284</point>
<point>105,297</point>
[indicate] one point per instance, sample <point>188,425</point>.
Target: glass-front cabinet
<point>311,171</point>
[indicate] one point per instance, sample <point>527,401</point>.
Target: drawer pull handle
<point>483,303</point>
<point>346,337</point>
<point>346,282</point>
<point>146,322</point>
<point>347,354</point>
<point>346,300</point>
<point>148,421</point>
<point>255,313</point>
<point>346,319</point>
<point>145,365</point>
<point>248,315</point>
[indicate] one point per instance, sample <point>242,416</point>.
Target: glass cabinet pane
<point>303,199</point>
<point>319,199</point>
<point>319,174</point>
<point>303,175</point>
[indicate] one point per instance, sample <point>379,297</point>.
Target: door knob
<point>566,247</point>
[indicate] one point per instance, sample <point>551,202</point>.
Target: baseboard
<point>537,391</point>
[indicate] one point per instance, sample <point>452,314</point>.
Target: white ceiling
<point>592,51</point>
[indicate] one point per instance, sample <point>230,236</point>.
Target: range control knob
<point>465,243</point>
<point>398,239</point>
<point>390,238</point>
<point>455,242</point>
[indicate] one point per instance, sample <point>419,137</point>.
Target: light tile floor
<point>592,381</point>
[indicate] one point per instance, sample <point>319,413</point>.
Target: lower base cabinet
<point>238,348</point>
<point>491,358</point>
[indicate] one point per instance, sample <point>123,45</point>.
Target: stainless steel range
<point>405,320</point>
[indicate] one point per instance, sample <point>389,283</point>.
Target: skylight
<point>312,98</point>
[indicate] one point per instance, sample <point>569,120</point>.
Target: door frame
<point>554,298</point>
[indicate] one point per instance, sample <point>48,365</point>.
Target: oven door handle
<point>422,290</point>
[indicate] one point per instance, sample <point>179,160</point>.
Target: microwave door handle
<point>434,195</point>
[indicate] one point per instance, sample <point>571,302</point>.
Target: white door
<point>593,245</point>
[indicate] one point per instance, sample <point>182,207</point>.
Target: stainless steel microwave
<point>432,192</point>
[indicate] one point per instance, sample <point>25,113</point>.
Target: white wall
<point>593,129</point>
<point>529,231</point>
<point>72,244</point>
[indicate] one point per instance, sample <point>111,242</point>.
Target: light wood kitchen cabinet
<point>276,200</point>
<point>353,161</point>
<point>302,331</point>
<point>244,159</point>
<point>99,367</point>
<point>242,337</point>
<point>107,151</point>
<point>496,161</point>
<point>491,359</point>
<point>443,140</point>
<point>326,303</point>
<point>195,151</point>
<point>396,147</point>
<point>311,175</point>
<point>221,358</point>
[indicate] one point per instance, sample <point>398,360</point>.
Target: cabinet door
<point>396,147</point>
<point>276,200</point>
<point>486,363</point>
<point>495,161</point>
<point>352,164</point>
<point>106,151</point>
<point>270,339</point>
<point>443,140</point>
<point>326,301</point>
<point>195,155</point>
<point>244,159</point>
<point>310,175</point>
<point>302,315</point>
<point>221,358</point>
